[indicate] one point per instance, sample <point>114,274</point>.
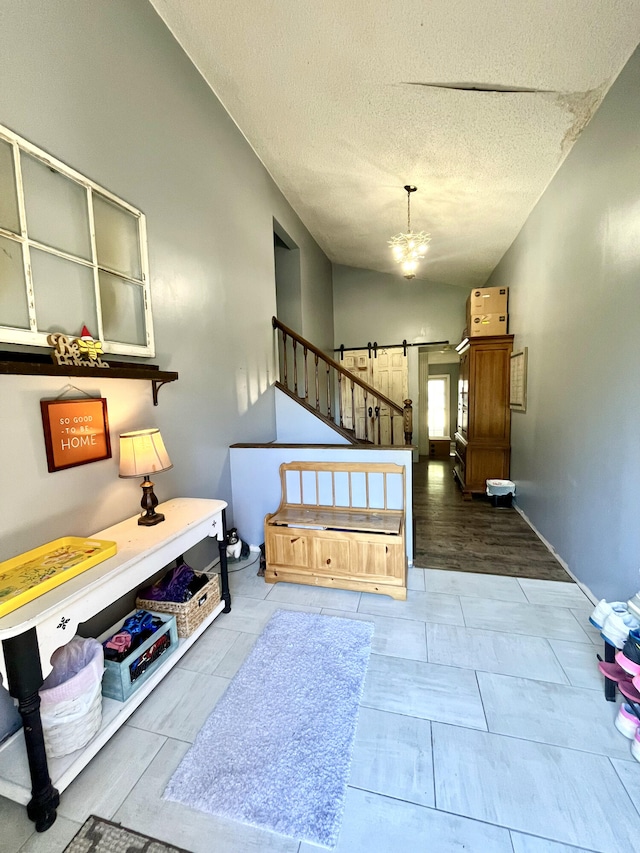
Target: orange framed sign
<point>76,432</point>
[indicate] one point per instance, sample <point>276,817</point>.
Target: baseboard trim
<point>555,554</point>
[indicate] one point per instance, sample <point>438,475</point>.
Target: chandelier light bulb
<point>409,248</point>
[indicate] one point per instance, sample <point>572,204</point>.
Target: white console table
<point>30,635</point>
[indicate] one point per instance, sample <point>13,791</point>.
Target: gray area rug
<point>97,835</point>
<point>275,752</point>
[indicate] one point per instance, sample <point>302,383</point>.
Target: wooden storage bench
<point>339,525</point>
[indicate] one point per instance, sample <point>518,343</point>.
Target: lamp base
<point>149,503</point>
<point>148,520</point>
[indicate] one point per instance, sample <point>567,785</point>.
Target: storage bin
<point>189,614</point>
<point>501,492</point>
<point>71,697</point>
<point>122,678</point>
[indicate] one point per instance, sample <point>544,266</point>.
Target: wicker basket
<point>191,613</point>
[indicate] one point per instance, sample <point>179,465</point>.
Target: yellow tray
<point>35,572</point>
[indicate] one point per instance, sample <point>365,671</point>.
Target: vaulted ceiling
<point>475,102</point>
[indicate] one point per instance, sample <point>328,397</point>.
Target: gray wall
<point>373,306</point>
<point>574,274</point>
<point>104,87</point>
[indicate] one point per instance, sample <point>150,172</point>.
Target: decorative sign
<point>518,396</point>
<point>77,352</point>
<point>76,432</point>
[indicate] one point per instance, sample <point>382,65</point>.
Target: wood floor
<point>472,536</point>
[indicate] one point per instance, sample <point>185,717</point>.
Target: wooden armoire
<point>483,438</point>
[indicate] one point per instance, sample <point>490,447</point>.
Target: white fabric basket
<point>71,696</point>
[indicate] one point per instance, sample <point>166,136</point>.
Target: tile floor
<point>483,727</point>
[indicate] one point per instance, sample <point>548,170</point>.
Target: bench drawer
<point>287,548</point>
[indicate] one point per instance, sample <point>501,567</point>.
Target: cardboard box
<point>488,300</point>
<point>488,324</point>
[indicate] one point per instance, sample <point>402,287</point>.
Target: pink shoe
<point>629,689</point>
<point>613,671</point>
<point>626,722</point>
<point>635,745</point>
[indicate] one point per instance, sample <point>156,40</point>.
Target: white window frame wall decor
<point>36,336</point>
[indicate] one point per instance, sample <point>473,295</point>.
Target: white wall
<point>294,424</point>
<point>104,87</point>
<point>255,472</point>
<point>574,274</point>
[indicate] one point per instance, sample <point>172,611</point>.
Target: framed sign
<point>518,395</point>
<point>76,432</point>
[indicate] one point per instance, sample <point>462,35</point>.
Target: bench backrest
<point>349,485</point>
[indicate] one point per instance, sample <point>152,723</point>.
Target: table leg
<point>224,576</point>
<point>24,676</point>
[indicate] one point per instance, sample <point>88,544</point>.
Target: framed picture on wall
<point>518,393</point>
<point>76,432</point>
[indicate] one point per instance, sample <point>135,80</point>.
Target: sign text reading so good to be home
<point>76,432</point>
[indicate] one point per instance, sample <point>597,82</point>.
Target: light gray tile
<point>536,620</point>
<point>236,656</point>
<point>179,705</point>
<point>106,781</point>
<point>424,690</point>
<point>554,593</point>
<point>399,638</point>
<point>582,617</point>
<point>560,794</point>
<point>551,713</point>
<point>580,663</point>
<point>419,606</point>
<point>303,595</point>
<point>492,651</point>
<point>250,615</point>
<point>533,844</point>
<point>15,825</point>
<point>392,756</point>
<point>146,811</point>
<point>415,578</point>
<point>209,650</point>
<point>246,582</point>
<point>474,584</point>
<point>629,774</point>
<point>53,840</point>
<point>376,824</point>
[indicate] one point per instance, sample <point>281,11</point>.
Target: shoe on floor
<point>633,605</point>
<point>635,745</point>
<point>627,722</point>
<point>617,626</point>
<point>630,691</point>
<point>613,671</point>
<point>604,609</point>
<point>629,657</point>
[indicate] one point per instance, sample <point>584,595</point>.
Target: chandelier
<point>409,248</point>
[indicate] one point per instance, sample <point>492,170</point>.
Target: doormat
<point>275,753</point>
<point>98,835</point>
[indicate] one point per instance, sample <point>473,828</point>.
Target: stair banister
<point>395,410</point>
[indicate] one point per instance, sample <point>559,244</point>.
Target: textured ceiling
<point>345,101</point>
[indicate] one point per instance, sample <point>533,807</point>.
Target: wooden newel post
<point>407,419</point>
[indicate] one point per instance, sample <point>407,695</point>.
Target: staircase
<point>353,408</point>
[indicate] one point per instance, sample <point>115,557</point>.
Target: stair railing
<point>324,385</point>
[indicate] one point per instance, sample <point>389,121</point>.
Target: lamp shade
<point>142,452</point>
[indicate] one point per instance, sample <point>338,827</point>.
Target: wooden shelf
<point>36,364</point>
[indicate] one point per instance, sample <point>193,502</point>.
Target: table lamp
<point>142,453</point>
